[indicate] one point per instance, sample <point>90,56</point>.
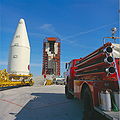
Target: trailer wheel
<point>31,82</point>
<point>88,113</point>
<point>67,93</point>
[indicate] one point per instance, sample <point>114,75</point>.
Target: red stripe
<point>11,102</point>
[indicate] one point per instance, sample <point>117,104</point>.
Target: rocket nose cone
<point>21,21</point>
<point>21,36</point>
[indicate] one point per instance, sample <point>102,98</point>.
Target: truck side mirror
<point>66,64</point>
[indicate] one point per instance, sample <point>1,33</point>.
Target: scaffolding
<point>51,56</point>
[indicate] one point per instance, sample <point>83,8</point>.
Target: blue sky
<point>80,24</point>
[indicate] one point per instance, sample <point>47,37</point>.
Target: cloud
<point>47,27</point>
<point>71,38</point>
<point>88,31</point>
<point>40,35</point>
<point>46,30</point>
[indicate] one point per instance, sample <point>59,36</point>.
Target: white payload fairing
<point>19,55</point>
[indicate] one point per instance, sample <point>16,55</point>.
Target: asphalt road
<point>38,103</point>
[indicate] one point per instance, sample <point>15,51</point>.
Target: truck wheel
<point>67,93</point>
<point>88,113</point>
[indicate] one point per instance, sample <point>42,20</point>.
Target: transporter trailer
<point>95,79</point>
<point>12,80</point>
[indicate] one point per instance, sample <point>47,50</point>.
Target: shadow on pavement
<point>50,106</point>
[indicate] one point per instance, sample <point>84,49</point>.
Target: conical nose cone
<point>22,20</point>
<point>21,37</point>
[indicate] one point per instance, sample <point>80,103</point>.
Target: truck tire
<point>67,93</point>
<point>88,113</point>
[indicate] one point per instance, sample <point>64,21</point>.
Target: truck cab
<point>70,77</point>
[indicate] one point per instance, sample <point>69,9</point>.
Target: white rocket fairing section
<point>19,56</point>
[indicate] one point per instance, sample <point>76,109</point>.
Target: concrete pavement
<point>38,103</point>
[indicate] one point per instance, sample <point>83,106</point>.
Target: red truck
<point>95,79</point>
